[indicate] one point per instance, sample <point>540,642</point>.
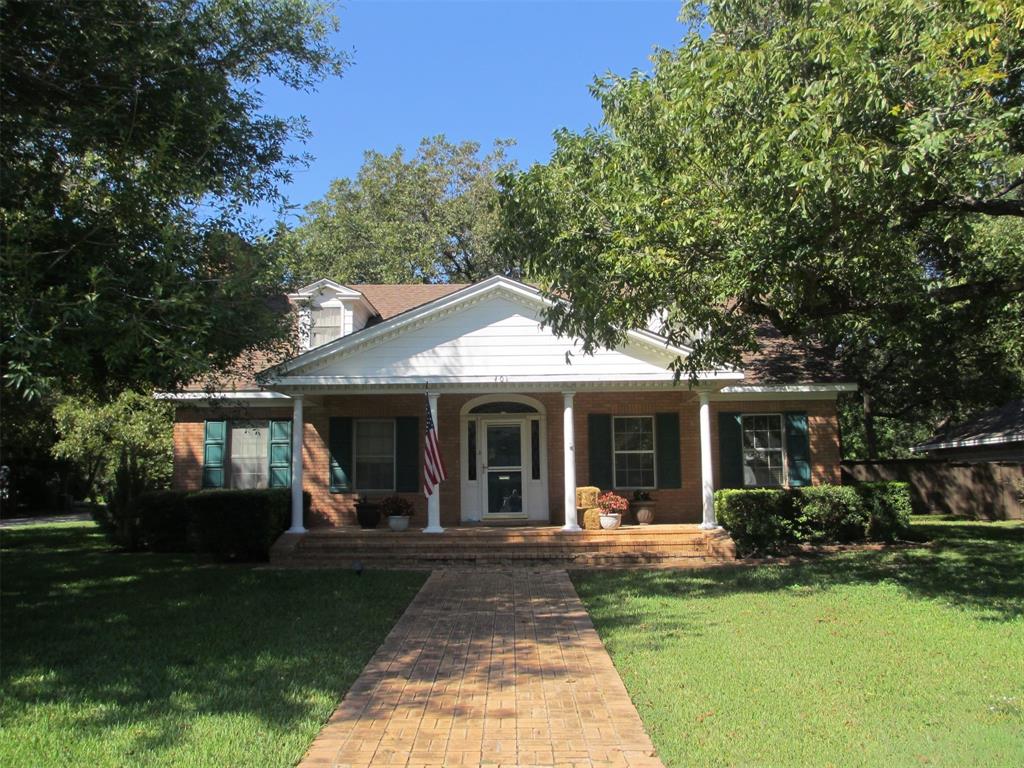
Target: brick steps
<point>654,546</point>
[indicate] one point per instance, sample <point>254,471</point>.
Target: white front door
<point>503,461</point>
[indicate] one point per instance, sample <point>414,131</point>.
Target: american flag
<point>433,463</point>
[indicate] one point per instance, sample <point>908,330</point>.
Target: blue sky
<point>471,70</point>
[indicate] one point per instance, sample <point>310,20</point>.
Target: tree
<point>121,448</point>
<point>851,172</point>
<point>132,138</point>
<point>93,435</point>
<point>431,218</point>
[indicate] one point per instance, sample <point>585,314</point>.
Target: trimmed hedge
<point>889,506</point>
<point>240,525</point>
<point>768,520</point>
<point>162,521</point>
<point>831,513</point>
<point>759,520</point>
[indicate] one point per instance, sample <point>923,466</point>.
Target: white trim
<point>440,307</point>
<point>1013,437</point>
<point>734,392</point>
<point>326,284</point>
<point>557,380</point>
<point>803,388</point>
<point>252,395</point>
<point>469,405</point>
<point>707,476</point>
<point>296,490</point>
<point>569,464</point>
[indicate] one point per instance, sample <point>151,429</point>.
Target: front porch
<point>667,546</point>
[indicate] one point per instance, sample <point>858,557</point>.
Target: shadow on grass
<point>160,639</point>
<point>972,565</point>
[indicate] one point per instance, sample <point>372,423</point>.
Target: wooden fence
<point>984,490</point>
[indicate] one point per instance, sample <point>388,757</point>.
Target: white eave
<point>325,285</point>
<point>253,397</point>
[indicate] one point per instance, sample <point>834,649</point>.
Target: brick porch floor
<point>488,669</point>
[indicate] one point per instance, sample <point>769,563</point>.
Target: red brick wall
<point>673,505</point>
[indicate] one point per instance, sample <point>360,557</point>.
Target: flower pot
<point>610,520</point>
<point>398,522</point>
<point>368,515</point>
<point>644,511</point>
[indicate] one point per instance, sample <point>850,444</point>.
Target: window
<point>250,454</point>
<point>763,458</point>
<point>255,453</point>
<point>374,449</point>
<point>326,325</point>
<point>633,451</point>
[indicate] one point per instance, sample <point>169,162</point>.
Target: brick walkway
<point>488,669</point>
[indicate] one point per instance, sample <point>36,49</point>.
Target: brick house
<point>523,417</point>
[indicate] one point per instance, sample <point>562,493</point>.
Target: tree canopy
<point>849,171</point>
<point>432,218</point>
<point>132,138</point>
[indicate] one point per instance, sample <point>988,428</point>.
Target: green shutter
<point>599,449</point>
<point>214,439</point>
<point>340,441</point>
<point>798,448</point>
<point>280,454</point>
<point>730,450</point>
<point>407,453</point>
<point>666,450</point>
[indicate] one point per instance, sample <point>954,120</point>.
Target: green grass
<point>116,659</point>
<point>897,658</point>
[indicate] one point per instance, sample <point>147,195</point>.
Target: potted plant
<point>612,506</point>
<point>643,507</point>
<point>398,511</point>
<point>367,512</point>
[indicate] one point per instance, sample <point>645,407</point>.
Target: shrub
<point>592,519</point>
<point>162,521</point>
<point>831,513</point>
<point>760,520</point>
<point>240,524</point>
<point>888,507</point>
<point>396,505</point>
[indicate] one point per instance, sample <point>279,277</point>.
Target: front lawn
<point>894,658</point>
<point>114,659</point>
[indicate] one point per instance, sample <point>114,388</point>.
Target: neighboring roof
<point>781,360</point>
<point>391,300</point>
<point>1004,424</point>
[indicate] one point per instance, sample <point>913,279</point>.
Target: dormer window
<point>328,310</point>
<point>327,324</point>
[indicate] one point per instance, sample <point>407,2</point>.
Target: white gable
<point>489,333</point>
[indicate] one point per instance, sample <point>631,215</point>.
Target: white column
<point>297,526</point>
<point>707,482</point>
<point>569,445</point>
<point>434,500</point>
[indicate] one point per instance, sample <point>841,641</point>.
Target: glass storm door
<point>503,468</point>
